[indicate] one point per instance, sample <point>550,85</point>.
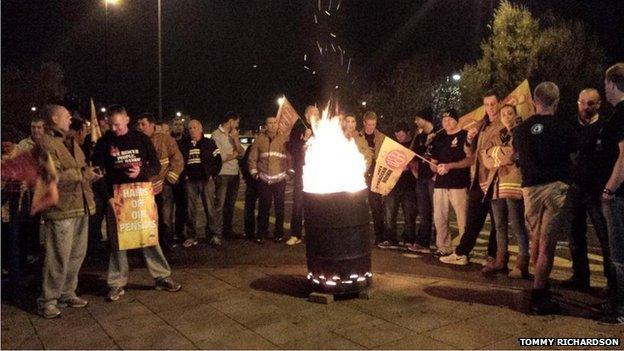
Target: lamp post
<point>106,4</point>
<point>160,112</point>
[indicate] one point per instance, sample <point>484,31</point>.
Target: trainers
<point>441,253</point>
<point>293,240</point>
<point>49,311</point>
<point>460,260</point>
<point>215,241</point>
<point>168,284</point>
<point>189,242</point>
<point>386,245</point>
<point>74,302</point>
<point>115,293</point>
<point>602,307</point>
<point>418,248</point>
<point>612,319</point>
<point>278,239</point>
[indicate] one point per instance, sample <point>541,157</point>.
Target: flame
<point>333,162</point>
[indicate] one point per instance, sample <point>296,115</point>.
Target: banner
<point>392,160</point>
<point>286,117</point>
<point>96,133</point>
<point>520,97</point>
<point>136,215</point>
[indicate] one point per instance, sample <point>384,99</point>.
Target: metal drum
<point>338,245</point>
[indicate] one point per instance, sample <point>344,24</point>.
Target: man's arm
<point>252,162</point>
<point>176,161</point>
<point>617,175</point>
<point>151,167</point>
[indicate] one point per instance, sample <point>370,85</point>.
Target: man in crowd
<point>67,221</point>
<point>251,197</point>
<point>78,131</point>
<point>128,156</point>
<point>230,148</point>
<point>202,165</point>
<point>545,145</point>
<point>374,138</point>
<point>424,181</point>
<point>586,191</point>
<point>402,195</point>
<point>171,166</point>
<point>612,137</point>
<point>179,133</point>
<point>452,180</point>
<point>270,165</point>
<point>479,203</point>
<point>37,130</point>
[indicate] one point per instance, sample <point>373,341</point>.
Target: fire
<point>333,162</point>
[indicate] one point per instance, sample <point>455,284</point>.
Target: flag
<point>95,126</point>
<point>286,117</point>
<point>520,97</point>
<point>392,160</point>
<point>136,215</point>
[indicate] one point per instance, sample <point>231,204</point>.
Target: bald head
<point>56,117</point>
<point>195,129</point>
<point>588,103</point>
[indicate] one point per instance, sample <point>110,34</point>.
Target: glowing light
<point>103,109</point>
<point>330,149</point>
<point>306,67</point>
<point>33,109</point>
<point>112,2</point>
<point>322,277</point>
<point>364,103</point>
<point>329,282</point>
<point>335,277</point>
<point>368,274</point>
<point>179,114</point>
<point>305,57</point>
<point>348,281</point>
<point>456,77</point>
<point>310,275</point>
<point>353,276</point>
<point>327,12</point>
<point>280,102</point>
<point>332,34</point>
<point>336,87</point>
<point>361,279</point>
<point>255,66</point>
<point>316,281</point>
<point>349,65</point>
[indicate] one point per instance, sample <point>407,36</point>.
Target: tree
<point>22,89</point>
<point>520,47</point>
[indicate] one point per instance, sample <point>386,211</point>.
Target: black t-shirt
<point>116,154</point>
<point>407,181</point>
<point>589,167</point>
<point>446,149</point>
<point>420,147</point>
<point>544,144</point>
<point>611,135</point>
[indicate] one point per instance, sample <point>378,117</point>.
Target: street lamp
<point>281,100</point>
<point>33,109</point>
<point>106,4</point>
<point>179,114</point>
<point>456,77</point>
<point>363,103</point>
<point>103,109</point>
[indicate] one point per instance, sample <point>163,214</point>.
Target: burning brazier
<point>338,242</point>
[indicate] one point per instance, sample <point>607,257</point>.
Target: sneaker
<point>293,240</point>
<point>602,307</point>
<point>49,311</point>
<point>168,284</point>
<point>460,260</point>
<point>386,245</point>
<point>612,319</point>
<point>418,248</point>
<point>74,302</point>
<point>215,241</point>
<point>259,241</point>
<point>278,239</point>
<point>441,253</point>
<point>189,242</point>
<point>115,293</point>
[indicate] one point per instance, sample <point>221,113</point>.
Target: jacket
<point>171,160</point>
<point>75,193</point>
<point>268,159</point>
<point>503,175</point>
<point>209,157</point>
<point>379,138</point>
<point>362,146</point>
<point>487,131</point>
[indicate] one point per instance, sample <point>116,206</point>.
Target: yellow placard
<point>136,215</point>
<point>392,160</point>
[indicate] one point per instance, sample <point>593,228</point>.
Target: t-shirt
<point>544,144</point>
<point>420,147</point>
<point>611,135</point>
<point>407,181</point>
<point>447,148</point>
<point>588,171</point>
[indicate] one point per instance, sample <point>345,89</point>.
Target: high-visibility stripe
<point>272,154</point>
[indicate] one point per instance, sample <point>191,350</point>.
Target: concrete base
<point>321,298</point>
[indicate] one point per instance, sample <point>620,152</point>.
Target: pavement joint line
<point>167,323</point>
<point>102,327</point>
<point>35,329</point>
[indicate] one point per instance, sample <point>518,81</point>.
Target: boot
<point>521,271</point>
<point>499,265</point>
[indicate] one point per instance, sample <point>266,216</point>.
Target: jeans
<point>227,191</point>
<point>375,202</point>
<point>613,211</point>
<point>95,225</point>
<point>165,203</point>
<point>203,217</point>
<point>181,208</point>
<point>66,246</point>
<point>478,208</point>
<point>424,203</point>
<point>510,211</point>
<point>16,237</point>
<point>271,193</point>
<point>118,269</point>
<point>296,220</point>
<point>251,198</point>
<point>583,205</point>
<point>407,200</point>
<point>442,198</point>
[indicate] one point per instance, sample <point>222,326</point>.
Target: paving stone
<point>90,336</point>
<point>283,331</point>
<point>324,341</point>
<point>415,342</point>
<point>373,333</point>
<point>242,340</point>
<point>18,331</point>
<point>464,335</point>
<point>204,323</point>
<point>158,301</point>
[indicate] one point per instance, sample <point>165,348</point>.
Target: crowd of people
<point>539,178</point>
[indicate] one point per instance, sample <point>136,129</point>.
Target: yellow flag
<point>136,215</point>
<point>95,126</point>
<point>520,97</point>
<point>391,162</point>
<point>286,117</point>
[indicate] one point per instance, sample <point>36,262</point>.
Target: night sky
<point>211,46</point>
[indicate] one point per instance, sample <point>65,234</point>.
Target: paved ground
<point>247,296</point>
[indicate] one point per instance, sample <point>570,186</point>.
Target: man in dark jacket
<point>202,164</point>
<point>128,156</point>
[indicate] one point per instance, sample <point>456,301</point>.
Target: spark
<point>306,67</point>
<point>334,48</point>
<point>339,48</point>
<point>341,58</point>
<point>315,19</point>
<point>328,14</point>
<point>319,5</point>
<point>349,65</point>
<point>329,8</point>
<point>332,34</point>
<point>319,47</point>
<point>339,2</point>
<point>313,72</point>
<point>305,57</point>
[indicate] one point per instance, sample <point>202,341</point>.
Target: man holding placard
<point>129,160</point>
